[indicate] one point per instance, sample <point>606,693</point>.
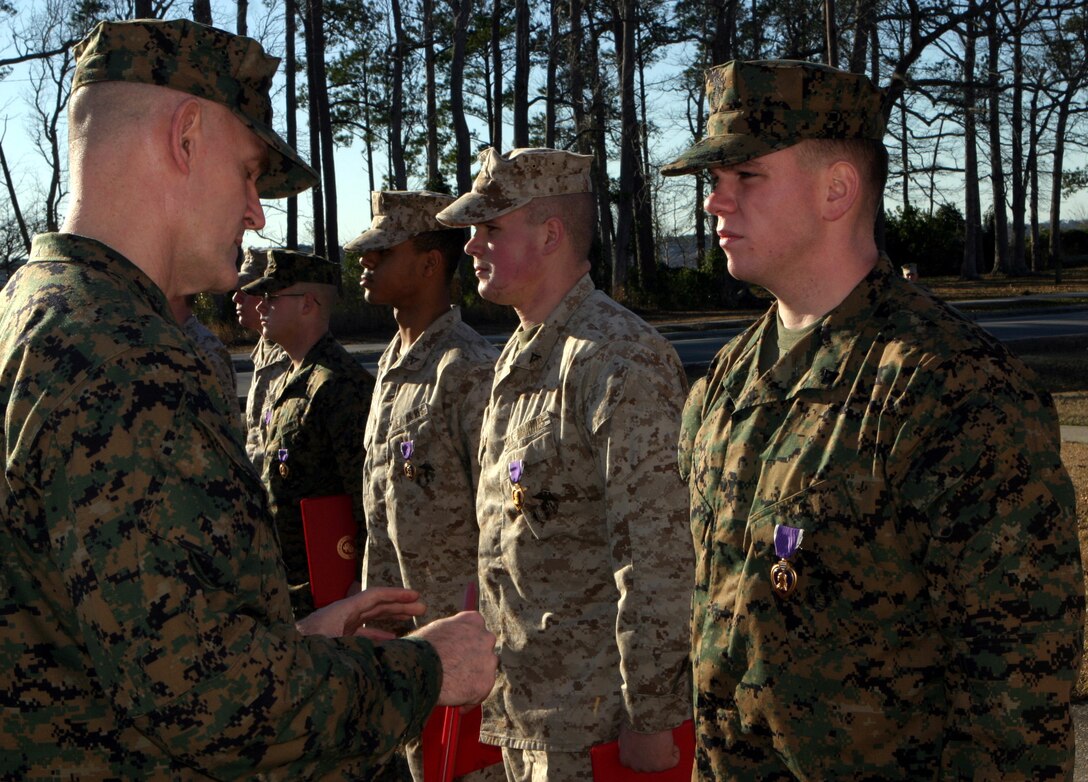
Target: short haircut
<point>450,242</point>
<point>578,211</point>
<point>870,157</point>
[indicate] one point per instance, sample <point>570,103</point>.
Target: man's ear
<point>554,232</point>
<point>185,130</point>
<point>432,263</point>
<point>843,189</point>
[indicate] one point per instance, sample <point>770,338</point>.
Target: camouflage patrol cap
<point>399,215</point>
<point>765,105</point>
<point>203,61</point>
<point>508,182</point>
<point>253,265</point>
<point>287,267</point>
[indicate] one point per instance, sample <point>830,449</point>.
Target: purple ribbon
<point>283,454</point>
<point>515,471</point>
<point>267,416</point>
<point>406,449</point>
<point>787,540</point>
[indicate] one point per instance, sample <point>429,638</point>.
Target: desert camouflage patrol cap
<point>508,182</point>
<point>213,64</point>
<point>287,267</point>
<point>399,215</point>
<point>762,106</point>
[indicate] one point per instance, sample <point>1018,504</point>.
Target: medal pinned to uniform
<point>267,418</point>
<point>407,448</point>
<point>283,463</point>
<point>786,542</point>
<point>518,492</point>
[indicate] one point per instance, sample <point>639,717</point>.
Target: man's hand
<point>467,651</point>
<point>347,616</point>
<point>647,752</point>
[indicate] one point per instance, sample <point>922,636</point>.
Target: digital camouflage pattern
<point>314,421</point>
<point>270,361</point>
<point>509,181</point>
<point>215,354</point>
<point>429,401</point>
<point>936,624</point>
<point>761,106</point>
<point>212,64</point>
<point>421,531</point>
<point>145,629</point>
<point>290,267</point>
<point>399,215</point>
<point>588,586</point>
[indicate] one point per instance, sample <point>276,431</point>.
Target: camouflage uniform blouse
<point>314,421</point>
<point>935,626</point>
<point>218,358</point>
<point>421,531</point>
<point>269,362</point>
<point>588,585</point>
<point>145,630</point>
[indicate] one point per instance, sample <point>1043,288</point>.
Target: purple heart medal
<point>786,542</point>
<point>283,463</point>
<point>518,493</point>
<point>407,448</point>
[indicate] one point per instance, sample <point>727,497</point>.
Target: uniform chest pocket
<point>531,468</point>
<point>409,447</point>
<point>853,577</point>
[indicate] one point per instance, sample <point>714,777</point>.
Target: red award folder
<point>451,740</point>
<point>329,529</point>
<point>606,760</point>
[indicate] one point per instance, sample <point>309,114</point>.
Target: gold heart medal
<point>787,540</point>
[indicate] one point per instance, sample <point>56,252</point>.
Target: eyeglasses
<point>267,297</point>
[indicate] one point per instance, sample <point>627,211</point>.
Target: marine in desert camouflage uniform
<point>315,413</point>
<point>146,631</point>
<point>584,564</point>
<point>269,359</point>
<point>423,431</point>
<point>888,578</point>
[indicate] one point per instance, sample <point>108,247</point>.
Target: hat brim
<point>726,150</point>
<point>263,285</point>
<point>475,208</point>
<point>287,173</point>
<point>377,239</point>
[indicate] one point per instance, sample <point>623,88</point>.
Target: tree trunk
<point>202,11</point>
<point>1016,260</point>
<point>599,170</point>
<point>242,23</point>
<point>316,199</point>
<point>23,232</point>
<point>624,23</point>
<point>141,9</point>
<point>997,169</point>
<point>496,87</point>
<point>396,100</point>
<point>1055,258</point>
<point>831,33</point>
<point>863,27</point>
<point>434,176</point>
<point>553,66</point>
<point>521,73</point>
<point>582,142</point>
<point>320,96</point>
<point>972,208</point>
<point>1032,165</point>
<point>291,106</point>
<point>462,14</point>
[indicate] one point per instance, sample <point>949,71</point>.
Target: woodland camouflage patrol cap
<point>508,182</point>
<point>287,267</point>
<point>209,63</point>
<point>399,215</point>
<point>765,105</point>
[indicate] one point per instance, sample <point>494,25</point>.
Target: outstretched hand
<point>467,651</point>
<point>349,615</point>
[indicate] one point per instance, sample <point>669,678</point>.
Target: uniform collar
<point>536,350</point>
<point>420,351</point>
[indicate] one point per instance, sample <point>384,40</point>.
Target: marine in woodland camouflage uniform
<point>146,629</point>
<point>215,353</point>
<point>584,574</point>
<point>314,419</point>
<point>269,362</point>
<point>929,624</point>
<point>423,431</point>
